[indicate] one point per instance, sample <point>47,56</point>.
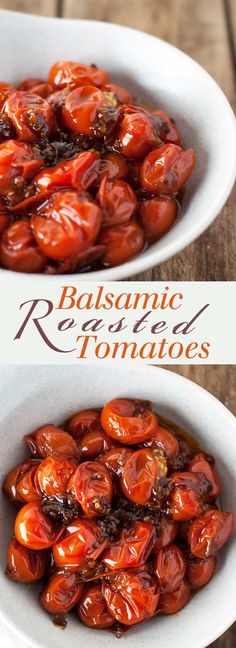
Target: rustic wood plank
<point>230,8</point>
<point>39,7</point>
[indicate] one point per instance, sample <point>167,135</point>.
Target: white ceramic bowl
<point>51,394</point>
<point>157,72</point>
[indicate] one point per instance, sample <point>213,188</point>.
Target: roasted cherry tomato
<point>112,166</point>
<point>173,602</point>
<point>128,421</point>
<point>35,530</point>
<point>170,134</point>
<point>66,224</point>
<point>167,532</point>
<point>82,422</point>
<point>78,173</point>
<point>117,200</point>
<point>50,440</point>
<point>53,474</point>
<point>170,568</point>
<point>17,163</point>
<point>6,89</point>
<point>164,439</point>
<point>157,215</point>
<point>94,443</point>
<point>139,476</point>
<point>37,86</point>
<point>122,243</point>
<point>25,565</point>
<point>81,544</point>
<point>166,169</point>
<point>115,459</point>
<point>91,484</point>
<point>61,593</point>
<point>121,94</point>
<point>4,222</point>
<point>132,548</point>
<point>200,572</point>
<point>81,108</point>
<point>30,114</point>
<point>200,464</point>
<point>136,134</point>
<point>208,533</point>
<point>75,74</point>
<point>187,496</point>
<point>14,477</point>
<point>26,485</point>
<point>131,595</point>
<point>92,609</point>
<point>19,250</point>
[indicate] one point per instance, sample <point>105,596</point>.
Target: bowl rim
<point>140,263</point>
<point>149,372</point>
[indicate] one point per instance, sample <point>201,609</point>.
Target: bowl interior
<point>53,393</point>
<point>160,74</point>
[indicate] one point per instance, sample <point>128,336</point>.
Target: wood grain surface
<point>206,30</point>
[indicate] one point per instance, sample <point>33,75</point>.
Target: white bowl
<point>52,393</point>
<point>157,72</point>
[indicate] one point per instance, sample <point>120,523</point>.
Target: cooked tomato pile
<point>118,514</point>
<point>88,177</point>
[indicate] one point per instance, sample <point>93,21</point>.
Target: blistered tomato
<point>30,114</point>
<point>91,484</point>
<point>33,529</point>
<point>173,602</point>
<point>82,422</point>
<point>94,443</point>
<point>53,474</point>
<point>78,173</point>
<point>167,532</point>
<point>81,544</point>
<point>166,169</point>
<point>164,439</point>
<point>117,200</point>
<point>115,459</point>
<point>114,166</point>
<point>61,593</point>
<point>122,243</point>
<point>200,464</point>
<point>132,548</point>
<point>170,568</point>
<point>139,476</point>
<point>200,572</point>
<point>121,94</point>
<point>25,565</point>
<point>128,421</point>
<point>26,485</point>
<point>92,608</point>
<point>208,533</point>
<point>75,74</point>
<point>170,133</point>
<point>131,596</point>
<point>50,440</point>
<point>17,162</point>
<point>14,477</point>
<point>157,215</point>
<point>136,134</point>
<point>19,250</point>
<point>81,108</point>
<point>37,86</point>
<point>186,499</point>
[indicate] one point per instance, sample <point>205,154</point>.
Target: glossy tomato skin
<point>141,470</point>
<point>81,542</point>
<point>186,499</point>
<point>117,201</point>
<point>91,485</point>
<point>166,169</point>
<point>83,422</point>
<point>37,86</point>
<point>136,135</point>
<point>166,440</point>
<point>92,609</point>
<point>64,73</point>
<point>17,160</point>
<point>113,166</point>
<point>67,224</point>
<point>173,602</point>
<point>199,464</point>
<point>132,548</point>
<point>53,474</point>
<point>13,477</point>
<point>121,94</point>
<point>19,250</point>
<point>131,595</point>
<point>61,593</point>
<point>171,135</point>
<point>50,440</point>
<point>115,459</point>
<point>6,89</point>
<point>122,243</point>
<point>167,532</point>
<point>33,529</point>
<point>81,108</point>
<point>30,114</point>
<point>4,222</point>
<point>157,216</point>
<point>94,443</point>
<point>26,486</point>
<point>208,533</point>
<point>128,421</point>
<point>25,565</point>
<point>78,173</point>
<point>170,568</point>
<point>199,573</point>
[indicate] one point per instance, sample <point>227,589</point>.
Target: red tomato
<point>139,476</point>
<point>164,439</point>
<point>166,533</point>
<point>17,160</point>
<point>50,440</point>
<point>128,421</point>
<point>75,74</point>
<point>171,136</point>
<point>121,94</point>
<point>92,609</point>
<point>13,477</point>
<point>173,602</point>
<point>199,573</point>
<point>113,166</point>
<point>61,593</point>
<point>37,86</point>
<point>82,542</point>
<point>66,224</point>
<point>131,596</point>
<point>122,243</point>
<point>30,114</point>
<point>82,422</point>
<point>6,89</point>
<point>117,200</point>
<point>170,568</point>
<point>166,169</point>
<point>115,459</point>
<point>157,215</point>
<point>27,84</point>
<point>19,250</point>
<point>186,499</point>
<point>81,108</point>
<point>4,222</point>
<point>26,485</point>
<point>209,533</point>
<point>33,529</point>
<point>52,475</point>
<point>132,548</point>
<point>199,464</point>
<point>25,565</point>
<point>136,134</point>
<point>91,484</point>
<point>78,173</point>
<point>94,443</point>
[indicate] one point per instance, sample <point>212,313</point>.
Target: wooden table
<point>206,30</point>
